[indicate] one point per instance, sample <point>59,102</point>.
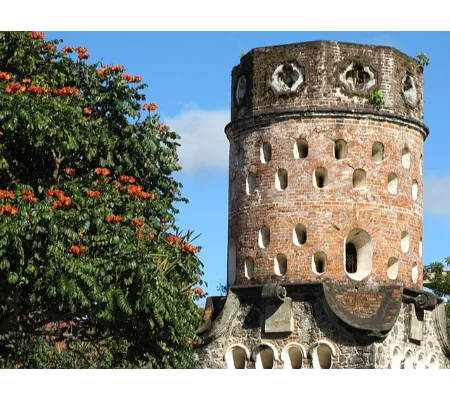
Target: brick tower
<point>325,215</point>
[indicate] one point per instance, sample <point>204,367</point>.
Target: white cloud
<point>204,145</point>
<point>437,196</point>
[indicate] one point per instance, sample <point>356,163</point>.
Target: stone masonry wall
<point>313,324</point>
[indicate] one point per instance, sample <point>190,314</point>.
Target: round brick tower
<point>326,158</point>
<point>325,215</point>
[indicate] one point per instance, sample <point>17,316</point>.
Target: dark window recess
<point>351,260</point>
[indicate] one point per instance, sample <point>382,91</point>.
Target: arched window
<point>299,235</point>
<point>358,254</point>
<point>251,183</point>
<point>237,357</point>
<point>340,149</point>
<point>323,354</point>
<point>396,359</point>
<point>241,157</point>
<point>266,357</point>
<point>409,360</point>
<point>281,179</point>
<point>378,152</point>
<point>301,148</point>
<point>319,262</point>
<point>266,152</point>
<point>264,237</point>
<point>320,178</point>
<point>392,183</point>
<point>359,179</point>
<point>280,264</point>
<point>248,267</point>
<point>292,356</point>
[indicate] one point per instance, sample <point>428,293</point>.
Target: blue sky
<point>189,78</point>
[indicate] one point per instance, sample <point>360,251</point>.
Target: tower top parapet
<point>327,76</point>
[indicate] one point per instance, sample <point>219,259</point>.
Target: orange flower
<point>66,91</point>
<point>151,235</point>
<point>36,35</point>
<point>188,247</point>
<point>26,80</point>
<point>87,111</point>
<point>5,76</point>
<point>163,220</point>
<point>113,218</point>
<point>49,47</point>
<point>199,291</point>
<point>61,199</point>
<point>69,171</point>
<point>9,209</point>
<point>83,56</point>
<point>173,239</point>
<point>132,79</point>
<point>6,194</point>
<point>77,249</point>
<point>85,118</point>
<point>81,49</point>
<point>80,235</point>
<point>126,179</point>
<point>150,107</point>
<point>164,128</point>
<point>15,88</point>
<point>93,194</point>
<point>102,171</point>
<point>28,196</point>
<point>1,133</point>
<point>137,222</point>
<point>67,49</point>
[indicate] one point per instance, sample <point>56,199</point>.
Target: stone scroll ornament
<point>286,78</point>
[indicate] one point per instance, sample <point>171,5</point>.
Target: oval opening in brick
<point>319,263</point>
<point>322,357</point>
<point>281,179</point>
<point>299,235</point>
<point>280,264</point>
<point>241,158</point>
<point>359,179</point>
<point>266,152</point>
<point>378,152</point>
<point>264,237</point>
<point>409,360</point>
<point>320,178</point>
<point>415,190</point>
<point>415,273</point>
<point>340,149</point>
<point>421,247</point>
<point>392,269</point>
<point>405,242</point>
<point>421,165</point>
<point>301,148</point>
<point>264,358</point>
<point>392,183</point>
<point>358,254</point>
<point>251,183</point>
<point>249,264</point>
<point>231,262</point>
<point>406,158</point>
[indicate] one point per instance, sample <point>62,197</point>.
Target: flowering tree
<point>90,257</point>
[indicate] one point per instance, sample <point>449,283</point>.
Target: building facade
<point>325,224</point>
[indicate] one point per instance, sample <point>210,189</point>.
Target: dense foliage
<point>439,279</point>
<point>90,257</point>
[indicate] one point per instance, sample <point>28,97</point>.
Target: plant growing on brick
<point>87,203</point>
<point>424,60</point>
<point>376,98</point>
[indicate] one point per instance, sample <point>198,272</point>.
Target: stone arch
<point>433,361</point>
<point>237,356</point>
<point>396,357</point>
<point>265,356</point>
<point>409,359</point>
<point>324,354</point>
<point>421,360</point>
<point>293,355</point>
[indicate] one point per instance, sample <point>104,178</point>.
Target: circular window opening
<point>415,273</point>
<point>378,152</point>
<point>409,360</point>
<point>420,247</point>
<point>281,179</point>
<point>359,179</point>
<point>265,358</point>
<point>421,164</point>
<point>406,158</point>
<point>392,183</point>
<point>251,183</point>
<point>392,269</point>
<point>405,242</point>
<point>322,357</point>
<point>415,190</point>
<point>292,358</point>
<point>248,267</point>
<point>358,254</point>
<point>241,158</point>
<point>319,263</point>
<point>396,359</point>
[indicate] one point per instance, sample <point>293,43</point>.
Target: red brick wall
<point>332,212</point>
